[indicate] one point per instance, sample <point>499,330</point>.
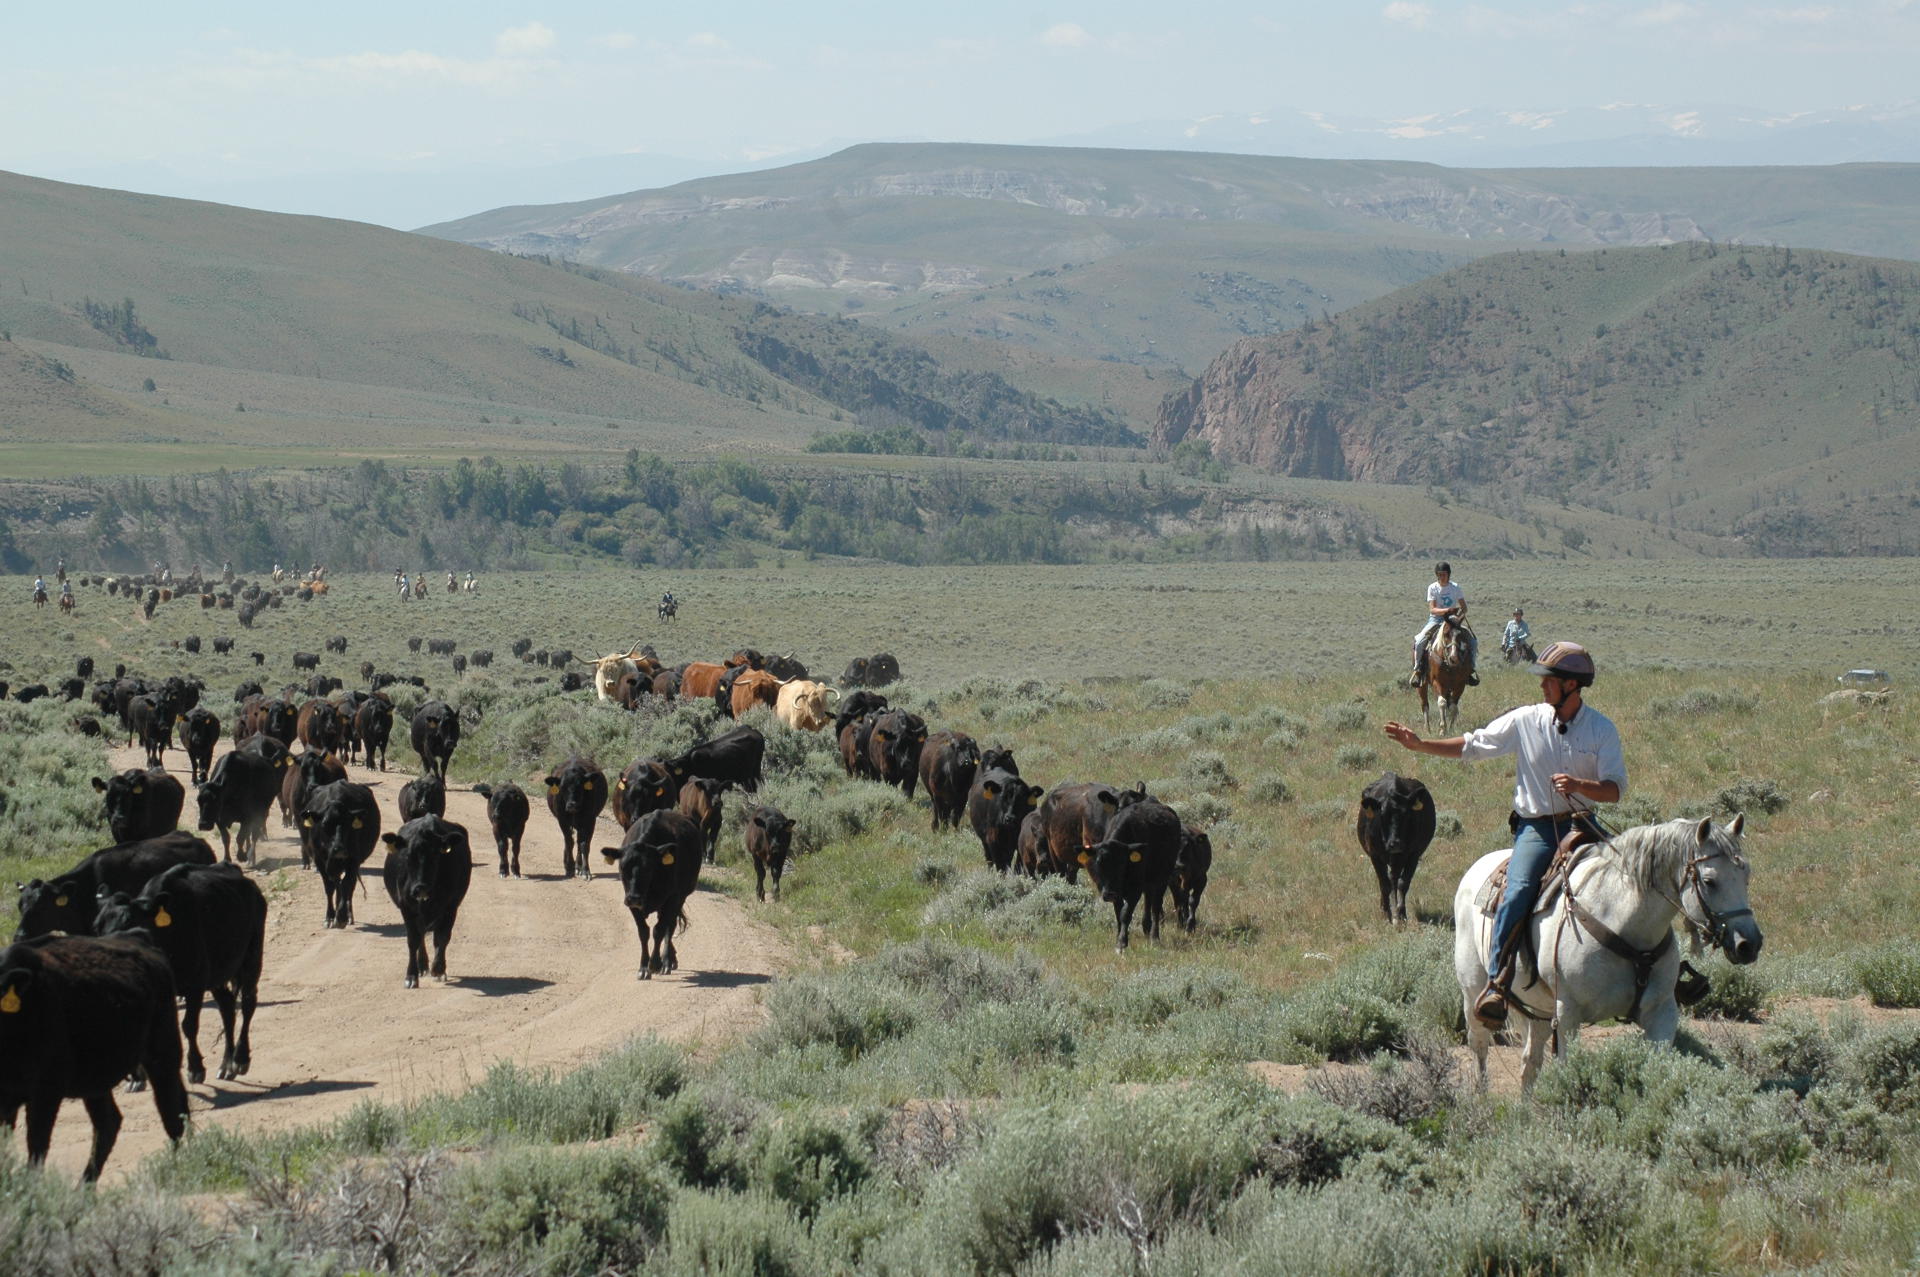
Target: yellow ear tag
<point>659,793</point>
<point>553,789</point>
<point>358,823</point>
<point>1419,806</point>
<point>667,859</point>
<point>10,1003</point>
<point>139,789</point>
<point>162,918</point>
<point>623,784</point>
<point>59,902</point>
<point>587,785</point>
<point>1134,856</point>
<point>1083,857</point>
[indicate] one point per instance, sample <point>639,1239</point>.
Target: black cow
<point>576,795</point>
<point>310,769</point>
<point>507,812</point>
<point>723,688</point>
<point>72,689</point>
<point>786,668</point>
<point>882,669</point>
<point>894,749</point>
<point>435,731</point>
<point>151,725</point>
<point>341,822</point>
<point>211,922</point>
<point>141,804</point>
<point>1135,860</point>
<point>733,758</point>
<point>78,1014</point>
<point>948,762</point>
<point>30,693</point>
<point>306,660</point>
<point>997,803</point>
<point>855,674</point>
<point>338,643</point>
<point>66,903</point>
<point>199,733</point>
<point>855,737</point>
<point>373,727</point>
<point>659,867</point>
<point>84,667</point>
<point>240,792</point>
<point>425,796</point>
<point>700,803</point>
<point>1190,872</point>
<point>428,868</point>
<point>223,645</point>
<point>648,785</point>
<point>1075,817</point>
<point>854,706</point>
<point>769,843</point>
<point>1395,825</point>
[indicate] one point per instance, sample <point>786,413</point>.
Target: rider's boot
<point>1490,1009</point>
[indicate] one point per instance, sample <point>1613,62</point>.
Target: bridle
<point>1713,931</point>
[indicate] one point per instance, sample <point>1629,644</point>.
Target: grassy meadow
<point>970,1080</point>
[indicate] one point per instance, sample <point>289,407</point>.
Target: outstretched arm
<point>1410,739</point>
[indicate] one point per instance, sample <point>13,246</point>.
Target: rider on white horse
<point>1567,755</point>
<point>1443,597</point>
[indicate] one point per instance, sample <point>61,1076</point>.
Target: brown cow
<point>755,687</point>
<point>700,803</point>
<point>699,678</point>
<point>666,685</point>
<point>1074,818</point>
<point>323,726</point>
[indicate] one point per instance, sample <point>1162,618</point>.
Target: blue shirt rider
<point>1516,634</point>
<point>1443,596</point>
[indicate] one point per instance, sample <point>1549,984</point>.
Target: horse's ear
<point>1739,823</point>
<point>1704,830</point>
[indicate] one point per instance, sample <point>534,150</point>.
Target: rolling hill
<point>261,329</point>
<point>1171,254</point>
<point>1765,394</point>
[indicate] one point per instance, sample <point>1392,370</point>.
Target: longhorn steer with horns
<point>618,675</point>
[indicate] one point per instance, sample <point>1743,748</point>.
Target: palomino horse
<point>1605,945</point>
<point>1448,668</point>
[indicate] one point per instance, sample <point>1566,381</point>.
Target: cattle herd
<point>87,988</point>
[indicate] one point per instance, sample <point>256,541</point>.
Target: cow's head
<point>432,851</point>
<point>59,905</point>
<point>340,823</point>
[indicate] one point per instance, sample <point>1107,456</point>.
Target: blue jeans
<point>1533,848</point>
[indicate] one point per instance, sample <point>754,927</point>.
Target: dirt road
<point>541,971</point>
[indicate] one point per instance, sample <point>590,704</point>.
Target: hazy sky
<point>218,90</point>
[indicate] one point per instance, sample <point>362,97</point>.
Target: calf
<point>576,795</point>
<point>1135,860</point>
<point>425,796</point>
<point>341,822</point>
<point>659,867</point>
<point>141,804</point>
<point>428,868</point>
<point>239,793</point>
<point>700,803</point>
<point>199,733</point>
<point>77,1015</point>
<point>1395,825</point>
<point>1190,870</point>
<point>733,758</point>
<point>997,803</point>
<point>435,731</point>
<point>894,749</point>
<point>507,812</point>
<point>1076,817</point>
<point>66,903</point>
<point>769,843</point>
<point>948,762</point>
<point>211,923</point>
<point>1032,850</point>
<point>648,785</point>
<point>854,738</point>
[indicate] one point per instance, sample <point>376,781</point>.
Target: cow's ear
<point>99,784</point>
<point>1033,797</point>
<point>391,839</point>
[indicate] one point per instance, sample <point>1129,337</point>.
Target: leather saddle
<point>1553,884</point>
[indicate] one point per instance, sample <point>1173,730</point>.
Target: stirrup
<point>1491,1008</point>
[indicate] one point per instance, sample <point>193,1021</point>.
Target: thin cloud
<point>1661,15</point>
<point>524,42</point>
<point>617,40</point>
<point>708,40</point>
<point>1066,35</point>
<point>1409,13</point>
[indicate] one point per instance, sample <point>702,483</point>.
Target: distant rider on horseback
<point>1443,598</point>
<point>1567,757</point>
<point>1515,636</point>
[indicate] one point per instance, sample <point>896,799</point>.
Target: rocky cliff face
<point>1249,409</point>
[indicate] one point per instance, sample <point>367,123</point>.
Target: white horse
<point>1606,945</point>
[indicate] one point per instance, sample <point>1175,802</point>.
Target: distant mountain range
<point>1618,134</point>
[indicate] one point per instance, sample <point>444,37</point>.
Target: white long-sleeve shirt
<point>1590,750</point>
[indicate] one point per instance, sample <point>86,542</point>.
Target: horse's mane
<point>1655,855</point>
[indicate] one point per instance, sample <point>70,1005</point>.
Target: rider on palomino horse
<point>1567,756</point>
<point>1444,599</point>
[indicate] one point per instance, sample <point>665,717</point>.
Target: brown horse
<point>1448,667</point>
